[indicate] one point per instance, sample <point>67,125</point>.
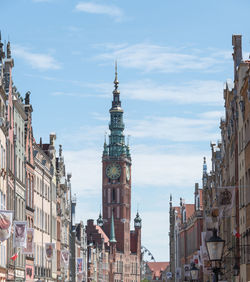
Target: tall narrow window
<point>118,212</point>
<point>109,212</point>
<point>2,157</point>
<point>113,195</point>
<point>109,195</point>
<point>31,192</point>
<point>19,168</point>
<point>118,195</point>
<point>28,192</point>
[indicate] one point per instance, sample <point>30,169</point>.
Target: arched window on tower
<point>118,212</point>
<point>118,195</point>
<point>113,195</point>
<point>109,196</point>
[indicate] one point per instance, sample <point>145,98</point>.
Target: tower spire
<point>204,166</point>
<point>8,50</point>
<point>204,175</point>
<point>100,220</point>
<point>116,82</point>
<point>116,146</point>
<point>1,48</point>
<point>116,104</point>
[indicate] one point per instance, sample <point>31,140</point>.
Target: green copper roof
<point>100,220</point>
<point>112,230</point>
<point>116,144</point>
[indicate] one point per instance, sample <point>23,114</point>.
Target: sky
<point>173,60</point>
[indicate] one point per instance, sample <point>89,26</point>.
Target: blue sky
<point>173,59</point>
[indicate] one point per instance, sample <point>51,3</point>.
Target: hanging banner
<point>169,275</point>
<point>226,197</point>
<point>20,234</point>
<point>29,269</point>
<point>199,257</point>
<point>49,251</point>
<point>196,259</point>
<point>29,250</point>
<point>65,257</point>
<point>6,218</point>
<point>79,265</point>
<point>187,270</point>
<point>178,273</point>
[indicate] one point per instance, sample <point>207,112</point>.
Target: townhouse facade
<point>35,186</point>
<point>3,172</point>
<point>225,189</point>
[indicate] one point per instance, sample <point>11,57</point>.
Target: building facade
<point>123,246</point>
<point>3,167</point>
<point>225,189</point>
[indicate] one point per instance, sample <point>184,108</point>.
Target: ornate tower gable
<point>116,173</point>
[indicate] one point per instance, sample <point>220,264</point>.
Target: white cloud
<point>175,129</point>
<point>151,128</point>
<point>70,94</point>
<point>166,170</point>
<point>36,60</point>
<point>98,116</point>
<point>192,92</point>
<point>151,57</point>
<point>207,91</point>
<point>212,115</point>
<point>150,169</point>
<point>94,8</point>
<point>156,223</point>
<point>37,1</point>
<point>85,166</point>
<point>85,134</point>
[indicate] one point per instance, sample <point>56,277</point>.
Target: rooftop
<point>157,268</point>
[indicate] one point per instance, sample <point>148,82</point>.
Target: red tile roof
<point>189,210</point>
<point>157,268</point>
<point>104,236</point>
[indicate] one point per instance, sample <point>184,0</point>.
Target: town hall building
<point>119,247</point>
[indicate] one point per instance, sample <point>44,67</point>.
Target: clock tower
<point>116,180</point>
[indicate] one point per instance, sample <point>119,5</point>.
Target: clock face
<point>127,173</point>
<point>113,171</point>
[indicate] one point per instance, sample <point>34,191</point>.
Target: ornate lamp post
<point>194,271</point>
<point>215,247</point>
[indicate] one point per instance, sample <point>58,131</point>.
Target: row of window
<point>42,221</point>
<point>20,209</point>
<point>29,200</point>
<point>3,157</point>
<point>42,188</point>
<point>116,212</point>
<point>39,255</point>
<point>2,201</point>
<point>113,195</point>
<point>19,134</point>
<point>3,255</point>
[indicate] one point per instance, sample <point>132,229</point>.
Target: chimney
<point>237,54</point>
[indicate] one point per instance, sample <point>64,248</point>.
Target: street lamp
<point>194,271</point>
<point>215,247</point>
